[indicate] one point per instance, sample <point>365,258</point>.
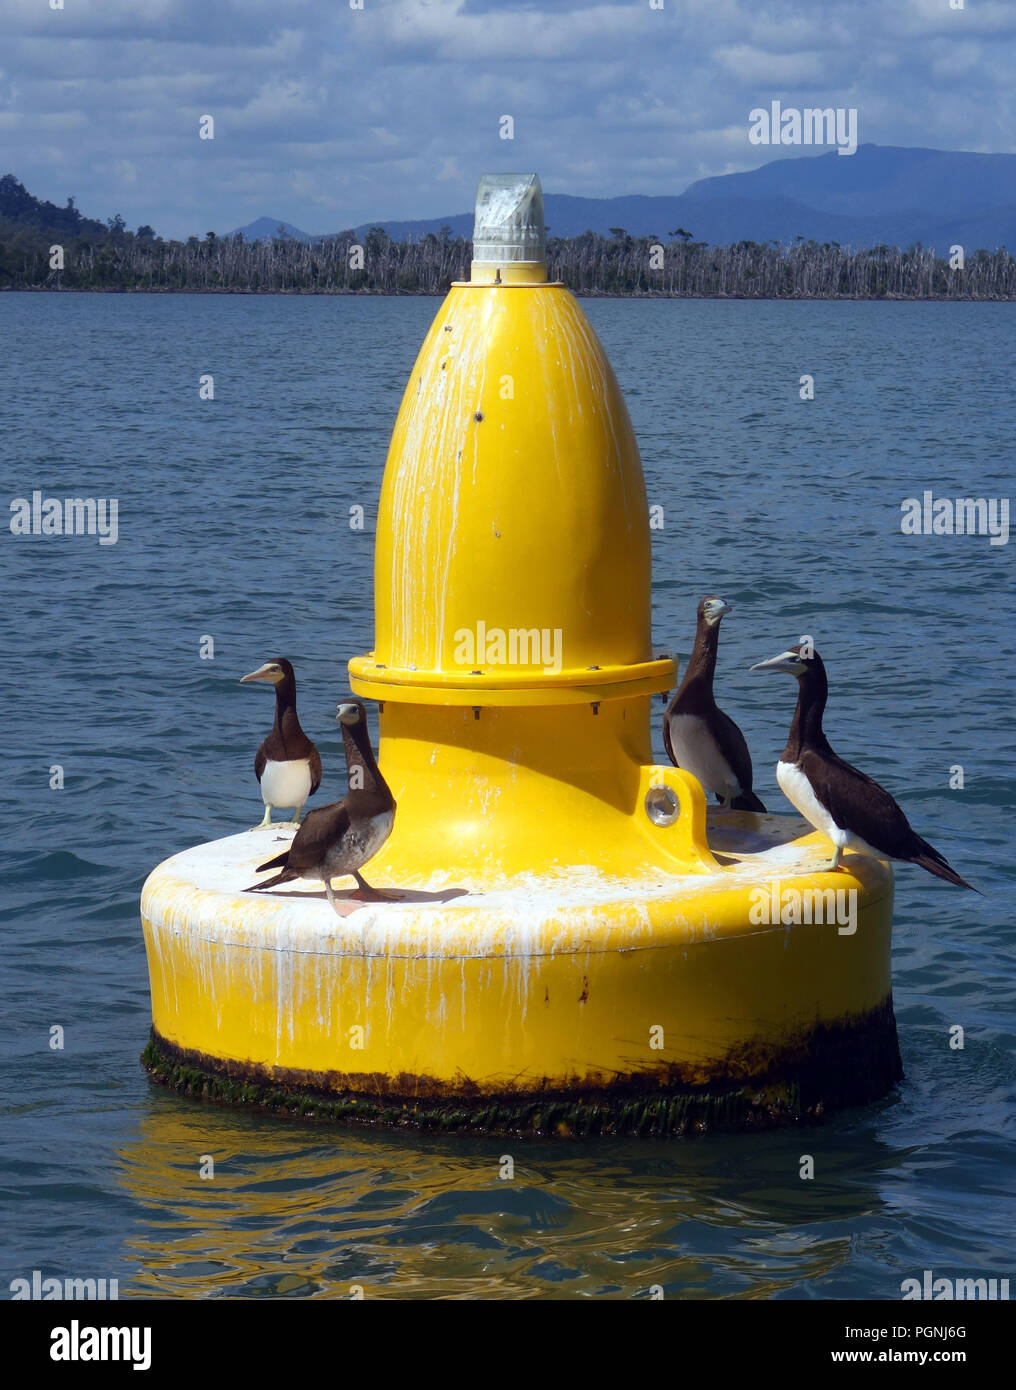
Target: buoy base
<point>658,1003</point>
<point>853,1062</point>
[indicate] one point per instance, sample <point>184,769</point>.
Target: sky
<point>328,116</point>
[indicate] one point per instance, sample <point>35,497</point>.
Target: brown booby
<point>287,764</point>
<point>852,810</point>
<point>698,736</point>
<point>339,839</point>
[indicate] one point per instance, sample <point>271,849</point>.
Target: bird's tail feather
<point>284,877</point>
<point>279,862</point>
<point>936,864</point>
<point>747,801</point>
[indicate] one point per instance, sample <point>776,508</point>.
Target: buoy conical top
<point>513,546</point>
<point>513,656</point>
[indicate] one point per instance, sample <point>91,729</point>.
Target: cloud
<point>277,105</point>
<point>328,117</point>
<point>749,64</point>
<point>449,171</point>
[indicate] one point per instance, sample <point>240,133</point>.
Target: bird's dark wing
<point>260,759</point>
<point>279,862</point>
<point>861,805</point>
<point>319,830</point>
<point>734,748</point>
<point>857,803</point>
<point>315,769</point>
<point>666,739</point>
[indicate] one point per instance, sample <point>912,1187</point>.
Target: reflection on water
<point>303,1212</point>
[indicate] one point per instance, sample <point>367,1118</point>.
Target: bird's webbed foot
<point>367,894</point>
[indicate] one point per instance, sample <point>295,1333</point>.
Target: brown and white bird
<point>337,840</point>
<point>287,764</point>
<point>844,804</point>
<point>697,734</point>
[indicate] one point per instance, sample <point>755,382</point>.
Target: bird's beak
<point>786,661</point>
<point>342,713</point>
<point>263,673</point>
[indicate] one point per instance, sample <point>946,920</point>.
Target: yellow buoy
<point>578,947</point>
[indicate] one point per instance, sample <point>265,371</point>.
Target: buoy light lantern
<point>508,237</point>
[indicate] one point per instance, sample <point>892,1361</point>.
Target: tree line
<point>108,256</point>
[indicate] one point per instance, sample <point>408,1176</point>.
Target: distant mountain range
<point>267,227</point>
<point>882,194</point>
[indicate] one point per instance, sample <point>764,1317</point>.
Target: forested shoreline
<point>44,247</point>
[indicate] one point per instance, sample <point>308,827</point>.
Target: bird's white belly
<point>697,751</point>
<point>798,791</point>
<point>286,784</point>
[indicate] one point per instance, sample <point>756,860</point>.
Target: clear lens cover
<point>509,219</point>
